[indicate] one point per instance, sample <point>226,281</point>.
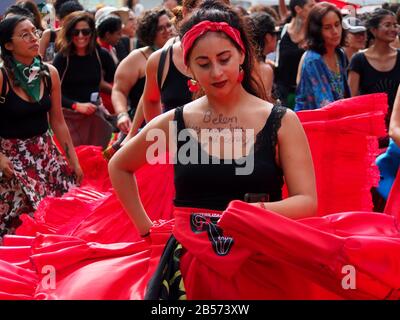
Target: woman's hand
<point>6,166</point>
<point>124,122</point>
<point>85,108</point>
<point>78,173</point>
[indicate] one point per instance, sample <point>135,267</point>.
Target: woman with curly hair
<point>154,30</point>
<point>31,167</point>
<point>323,77</point>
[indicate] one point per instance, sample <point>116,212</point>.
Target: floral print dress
<point>39,171</point>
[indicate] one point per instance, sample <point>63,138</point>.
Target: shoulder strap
<point>180,125</point>
<point>47,80</point>
<point>274,123</point>
<point>65,70</point>
<point>161,65</point>
<point>53,36</point>
<point>3,87</point>
<point>98,58</point>
<point>178,117</point>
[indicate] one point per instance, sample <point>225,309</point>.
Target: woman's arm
<point>126,161</point>
<point>44,42</point>
<point>283,11</point>
<point>354,83</point>
<point>125,78</point>
<point>267,78</point>
<point>137,119</point>
<point>6,166</point>
<point>59,126</point>
<point>394,127</point>
<point>296,162</point>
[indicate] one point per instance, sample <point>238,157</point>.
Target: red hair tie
<point>201,28</point>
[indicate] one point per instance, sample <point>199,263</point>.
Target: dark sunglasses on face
<point>85,32</point>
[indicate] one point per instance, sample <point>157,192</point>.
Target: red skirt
<point>257,255</point>
<point>87,247</point>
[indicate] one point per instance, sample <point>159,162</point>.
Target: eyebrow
<point>27,29</point>
<point>219,54</point>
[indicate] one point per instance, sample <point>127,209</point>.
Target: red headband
<point>201,28</point>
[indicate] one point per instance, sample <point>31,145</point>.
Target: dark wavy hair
<point>294,3</point>
<point>64,39</point>
<point>111,24</point>
<point>375,19</point>
<point>148,22</point>
<point>33,8</point>
<point>314,37</point>
<point>260,23</point>
<point>216,11</point>
<point>69,7</point>
<point>58,3</point>
<point>17,10</point>
<point>7,27</point>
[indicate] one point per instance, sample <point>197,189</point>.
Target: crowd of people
<point>295,94</point>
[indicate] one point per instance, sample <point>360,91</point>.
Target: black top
<point>135,95</point>
<point>174,91</point>
<point>213,186</point>
<point>136,91</point>
<point>20,119</point>
<point>374,81</point>
<point>83,75</point>
<point>285,74</point>
<point>122,48</point>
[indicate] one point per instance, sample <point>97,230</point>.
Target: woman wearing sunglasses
<point>83,67</point>
<point>31,167</point>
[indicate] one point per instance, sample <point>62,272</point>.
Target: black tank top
<point>289,58</point>
<point>135,94</point>
<point>20,119</point>
<point>213,186</point>
<point>174,91</point>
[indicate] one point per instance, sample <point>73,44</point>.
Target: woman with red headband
<point>244,252</point>
<point>217,54</point>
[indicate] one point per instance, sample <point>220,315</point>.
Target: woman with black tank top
<point>31,167</point>
<point>166,79</point>
<point>377,69</point>
<point>84,68</point>
<point>166,76</point>
<point>209,176</point>
<point>153,31</point>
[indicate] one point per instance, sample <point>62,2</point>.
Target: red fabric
<point>97,254</point>
<point>205,26</point>
<point>341,4</point>
<point>266,265</point>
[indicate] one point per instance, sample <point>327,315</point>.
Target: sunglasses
<point>85,32</point>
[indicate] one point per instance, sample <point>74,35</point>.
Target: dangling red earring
<point>241,74</point>
<point>193,85</point>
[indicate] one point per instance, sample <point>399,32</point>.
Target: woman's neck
<point>381,47</point>
<point>330,52</point>
<point>81,51</point>
<point>228,104</point>
<point>297,25</point>
<point>349,51</point>
<point>24,60</point>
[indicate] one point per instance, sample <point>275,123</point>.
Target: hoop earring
<point>241,74</point>
<point>193,85</point>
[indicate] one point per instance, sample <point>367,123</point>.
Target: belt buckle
<point>2,99</point>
